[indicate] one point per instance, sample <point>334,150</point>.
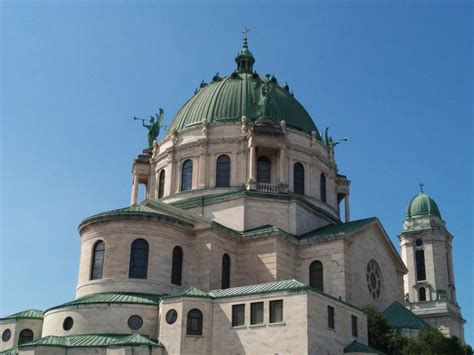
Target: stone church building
<point>243,244</point>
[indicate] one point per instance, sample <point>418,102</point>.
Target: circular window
<point>135,322</point>
<point>374,279</point>
<point>68,323</point>
<point>419,243</point>
<point>171,316</point>
<point>6,335</point>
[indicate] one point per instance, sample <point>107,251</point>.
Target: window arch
<point>225,271</point>
<point>298,178</point>
<point>223,171</point>
<point>177,266</point>
<point>161,183</point>
<point>187,175</point>
<point>138,259</point>
<point>194,324</point>
<point>26,335</point>
<point>316,279</point>
<point>420,265</point>
<point>263,170</point>
<point>422,294</point>
<point>322,185</point>
<point>97,260</point>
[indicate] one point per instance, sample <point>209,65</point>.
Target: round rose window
<point>374,279</point>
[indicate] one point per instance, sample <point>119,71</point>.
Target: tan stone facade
<point>241,244</point>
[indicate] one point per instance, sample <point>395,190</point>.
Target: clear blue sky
<point>393,77</point>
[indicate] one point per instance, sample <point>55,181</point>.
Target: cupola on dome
<point>422,205</point>
<point>243,93</point>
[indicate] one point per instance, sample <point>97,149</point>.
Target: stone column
<point>347,209</point>
<point>202,166</point>
<point>157,183</point>
<point>282,166</point>
<point>133,198</point>
<point>242,163</point>
<point>252,183</point>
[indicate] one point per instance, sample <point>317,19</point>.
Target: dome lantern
<point>245,58</point>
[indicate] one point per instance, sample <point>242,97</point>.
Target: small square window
<point>256,313</point>
<point>276,311</point>
<point>330,317</point>
<point>354,326</point>
<point>238,315</point>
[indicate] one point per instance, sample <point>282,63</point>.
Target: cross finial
<point>245,31</point>
<point>421,186</point>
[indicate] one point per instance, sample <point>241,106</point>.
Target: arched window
<point>138,259</point>
<point>263,170</point>
<point>26,335</point>
<point>177,266</point>
<point>187,175</point>
<point>323,187</point>
<point>225,271</point>
<point>298,178</point>
<point>161,183</point>
<point>223,171</point>
<point>420,264</point>
<point>422,294</point>
<point>97,260</point>
<point>194,325</point>
<point>316,275</point>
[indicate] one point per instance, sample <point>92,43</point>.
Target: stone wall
<point>101,319</point>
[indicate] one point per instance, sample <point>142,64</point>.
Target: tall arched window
<point>298,178</point>
<point>26,335</point>
<point>187,175</point>
<point>194,325</point>
<point>177,266</point>
<point>316,275</point>
<point>263,169</point>
<point>420,265</point>
<point>323,187</point>
<point>225,271</point>
<point>161,183</point>
<point>138,259</point>
<point>223,171</point>
<point>97,260</point>
<point>422,294</point>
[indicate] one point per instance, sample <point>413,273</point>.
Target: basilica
<point>243,244</point>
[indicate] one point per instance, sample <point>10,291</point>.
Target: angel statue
<point>153,127</point>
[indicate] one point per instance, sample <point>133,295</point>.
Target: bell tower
<point>426,249</point>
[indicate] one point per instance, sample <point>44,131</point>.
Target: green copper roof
<point>337,229</point>
<point>422,205</point>
<point>28,314</point>
<point>135,210</point>
<point>114,297</point>
<point>399,317</point>
<point>270,287</point>
<point>356,347</point>
<point>227,99</point>
<point>190,292</point>
<point>92,341</point>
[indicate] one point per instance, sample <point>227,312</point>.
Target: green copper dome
<point>422,205</point>
<point>243,93</point>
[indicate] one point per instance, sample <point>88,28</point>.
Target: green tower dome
<point>422,205</point>
<point>243,93</point>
